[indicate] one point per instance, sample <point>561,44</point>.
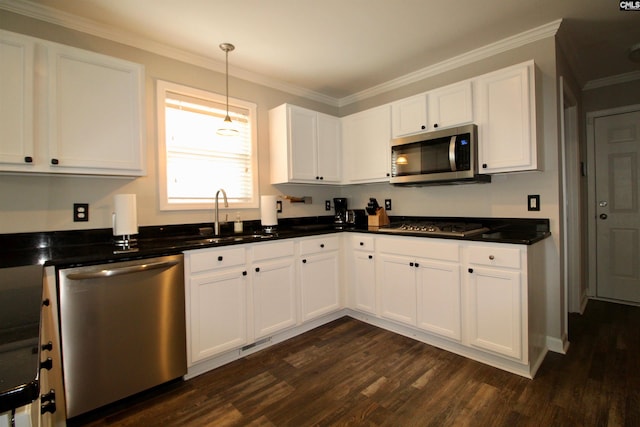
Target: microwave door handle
<point>452,153</point>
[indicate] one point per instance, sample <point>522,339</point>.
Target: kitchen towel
<point>125,215</point>
<point>268,211</point>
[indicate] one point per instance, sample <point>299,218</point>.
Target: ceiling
<point>339,48</point>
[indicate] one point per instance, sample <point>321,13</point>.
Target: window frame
<point>162,87</point>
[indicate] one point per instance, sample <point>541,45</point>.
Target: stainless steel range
<point>456,228</point>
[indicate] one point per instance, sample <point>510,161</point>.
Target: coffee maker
<point>340,206</point>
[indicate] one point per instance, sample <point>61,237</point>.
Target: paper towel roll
<point>268,210</point>
<point>125,215</point>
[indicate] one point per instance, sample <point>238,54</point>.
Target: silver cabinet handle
<point>452,153</point>
<point>121,270</point>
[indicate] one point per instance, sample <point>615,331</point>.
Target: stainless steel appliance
<point>340,206</point>
<point>122,329</point>
<point>442,157</point>
<point>440,228</point>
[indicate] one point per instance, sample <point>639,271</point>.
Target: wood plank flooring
<point>350,373</point>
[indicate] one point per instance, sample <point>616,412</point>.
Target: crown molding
<point>613,80</point>
<point>466,58</point>
<point>67,20</point>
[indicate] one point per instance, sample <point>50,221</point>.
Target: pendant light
<point>227,129</point>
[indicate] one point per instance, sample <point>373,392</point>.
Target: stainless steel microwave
<point>446,156</point>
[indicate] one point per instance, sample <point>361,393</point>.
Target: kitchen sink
<point>228,239</point>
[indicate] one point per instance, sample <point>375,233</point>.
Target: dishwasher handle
<point>96,274</point>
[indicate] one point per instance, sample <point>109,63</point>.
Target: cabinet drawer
<point>319,244</point>
<point>362,243</point>
<point>272,250</point>
<point>421,247</point>
<point>209,259</point>
<point>494,256</point>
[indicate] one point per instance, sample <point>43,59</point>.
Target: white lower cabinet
<point>319,276</point>
<point>362,274</point>
<point>397,288</point>
<point>274,287</point>
<point>497,300</point>
<point>217,301</point>
<point>420,283</point>
<point>438,296</point>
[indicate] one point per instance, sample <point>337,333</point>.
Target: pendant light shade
<point>227,129</point>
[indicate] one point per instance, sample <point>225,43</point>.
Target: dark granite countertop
<point>23,255</point>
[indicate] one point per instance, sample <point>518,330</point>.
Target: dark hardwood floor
<point>351,373</point>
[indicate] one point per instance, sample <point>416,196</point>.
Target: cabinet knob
<point>361,243</point>
<point>244,273</point>
<point>304,261</point>
<point>424,127</point>
<point>370,256</point>
<point>388,174</point>
<point>322,245</point>
<point>46,302</point>
<point>491,257</point>
<point>48,402</point>
<point>47,364</point>
<point>317,177</point>
<point>435,125</point>
<point>484,165</point>
<point>470,270</point>
<point>220,258</point>
<point>322,177</point>
<point>54,161</point>
<point>257,269</point>
<point>410,264</point>
<point>47,347</point>
<point>28,159</point>
<point>417,265</point>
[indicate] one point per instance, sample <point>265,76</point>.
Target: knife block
<point>379,219</point>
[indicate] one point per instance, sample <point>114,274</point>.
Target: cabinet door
<point>438,287</point>
<point>329,149</point>
<point>16,100</point>
<point>398,288</point>
<point>450,106</point>
<point>494,310</point>
<point>274,299</point>
<point>506,120</point>
<point>218,313</point>
<point>364,281</point>
<point>303,124</point>
<point>366,138</point>
<point>95,112</point>
<point>319,284</point>
<point>409,116</point>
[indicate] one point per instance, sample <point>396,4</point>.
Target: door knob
<point>603,216</point>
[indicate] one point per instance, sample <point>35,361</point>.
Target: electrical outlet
<point>533,202</point>
<point>279,206</point>
<point>327,205</point>
<point>80,212</point>
<point>387,204</point>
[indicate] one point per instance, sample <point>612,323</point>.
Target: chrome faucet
<point>216,225</point>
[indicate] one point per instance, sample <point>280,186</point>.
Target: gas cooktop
<point>458,229</point>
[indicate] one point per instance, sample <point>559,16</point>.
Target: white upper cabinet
<point>409,115</point>
<point>366,137</point>
<point>16,100</point>
<point>305,146</point>
<point>95,112</point>
<point>505,103</point>
<point>450,106</point>
<point>444,107</point>
<point>67,110</point>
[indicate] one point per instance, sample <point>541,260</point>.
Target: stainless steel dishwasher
<point>122,329</point>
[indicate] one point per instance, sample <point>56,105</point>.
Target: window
<point>194,161</point>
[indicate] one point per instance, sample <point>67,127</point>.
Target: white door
<point>319,285</point>
<point>617,146</point>
<point>438,288</point>
<point>398,288</point>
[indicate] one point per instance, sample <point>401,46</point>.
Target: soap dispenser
<point>237,225</point>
